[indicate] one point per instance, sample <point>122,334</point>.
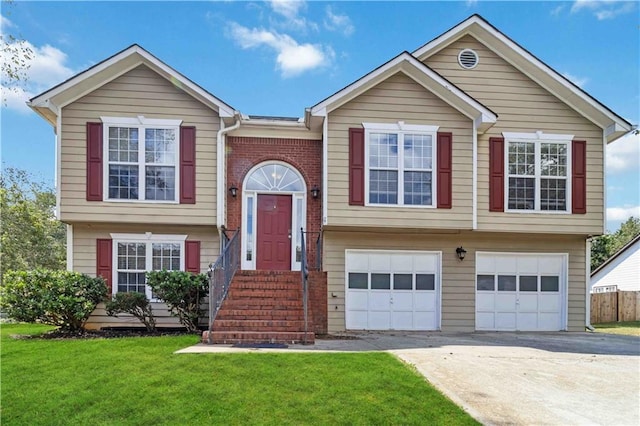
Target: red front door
<point>274,233</point>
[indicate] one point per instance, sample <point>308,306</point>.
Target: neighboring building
<point>469,142</point>
<point>621,272</point>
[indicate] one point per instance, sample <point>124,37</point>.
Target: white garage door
<point>521,292</point>
<point>397,290</point>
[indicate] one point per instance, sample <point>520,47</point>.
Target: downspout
<point>587,269</point>
<point>474,183</point>
<point>221,173</point>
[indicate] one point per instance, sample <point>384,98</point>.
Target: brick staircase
<point>262,307</point>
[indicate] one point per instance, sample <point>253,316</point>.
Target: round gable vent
<point>468,59</point>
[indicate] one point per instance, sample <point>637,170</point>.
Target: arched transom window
<point>275,178</point>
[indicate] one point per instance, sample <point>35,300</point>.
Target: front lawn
<point>141,381</point>
<point>630,328</point>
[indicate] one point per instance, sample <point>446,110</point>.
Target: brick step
<point>270,285</point>
<point>259,325</point>
<point>260,314</point>
<point>263,294</point>
<point>261,304</point>
<point>227,337</point>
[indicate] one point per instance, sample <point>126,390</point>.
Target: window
<point>400,162</point>
<point>142,158</point>
<point>538,171</point>
<point>135,255</point>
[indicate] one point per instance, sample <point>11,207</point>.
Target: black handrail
<point>304,271</point>
<point>221,273</point>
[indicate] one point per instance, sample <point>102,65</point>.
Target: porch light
<point>315,191</point>
<point>233,191</point>
<point>461,253</point>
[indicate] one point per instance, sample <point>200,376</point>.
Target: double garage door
<point>521,292</point>
<point>397,290</point>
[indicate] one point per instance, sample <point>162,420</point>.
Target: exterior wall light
<point>233,190</point>
<point>461,253</point>
<point>315,192</point>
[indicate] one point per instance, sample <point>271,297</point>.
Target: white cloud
<point>557,10</point>
<point>5,23</point>
<point>604,9</point>
<point>471,3</point>
<point>335,22</point>
<point>290,11</point>
<point>624,154</point>
<point>578,81</point>
<point>292,58</point>
<point>621,214</point>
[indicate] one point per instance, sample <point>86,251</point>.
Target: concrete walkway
<point>511,378</point>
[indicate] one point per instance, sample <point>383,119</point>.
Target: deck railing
<point>221,273</point>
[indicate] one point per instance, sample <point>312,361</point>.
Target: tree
<point>605,246</point>
<point>15,55</point>
<point>30,237</point>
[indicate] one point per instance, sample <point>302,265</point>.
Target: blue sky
<point>276,58</point>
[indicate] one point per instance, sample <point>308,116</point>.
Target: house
<point>452,188</point>
<point>621,272</point>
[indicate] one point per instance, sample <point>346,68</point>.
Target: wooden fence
<point>615,306</point>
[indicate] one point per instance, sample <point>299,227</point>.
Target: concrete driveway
<point>512,378</point>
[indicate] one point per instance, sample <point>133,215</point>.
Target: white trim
<point>69,247</point>
<point>587,280</point>
<point>604,184</point>
<point>564,277</point>
<point>295,196</point>
<point>466,27</point>
<point>538,138</point>
<point>221,175</point>
<point>141,123</point>
<point>401,129</point>
<point>325,171</point>
<point>58,170</point>
<point>474,184</point>
<point>148,236</point>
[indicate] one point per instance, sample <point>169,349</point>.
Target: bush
<point>182,292</point>
<point>133,303</point>
<point>60,298</point>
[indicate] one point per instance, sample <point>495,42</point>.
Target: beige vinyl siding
<point>458,277</point>
<point>523,106</point>
<point>399,98</point>
<point>84,261</point>
<point>138,92</point>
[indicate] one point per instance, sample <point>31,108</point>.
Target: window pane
<point>383,150</point>
<point>131,281</point>
<point>123,144</point>
<point>249,227</point>
<point>380,281</point>
<point>274,177</point>
<point>418,153</point>
<point>549,283</point>
<point>553,194</point>
<point>383,187</point>
<point>425,282</point>
<point>528,283</point>
<point>522,158</point>
<point>522,193</point>
<point>165,256</point>
<point>417,188</point>
<point>358,280</point>
<point>486,283</point>
<point>161,183</point>
<point>506,283</point>
<point>160,146</point>
<point>553,159</point>
<point>402,281</point>
<point>123,182</point>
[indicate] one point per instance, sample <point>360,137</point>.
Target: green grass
<point>140,381</point>
<point>630,328</point>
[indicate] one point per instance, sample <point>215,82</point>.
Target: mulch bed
<point>104,334</point>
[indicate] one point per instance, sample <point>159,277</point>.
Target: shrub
<point>133,303</point>
<point>60,298</point>
<point>182,292</point>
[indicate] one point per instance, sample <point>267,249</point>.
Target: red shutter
<point>187,165</point>
<point>356,167</point>
<point>192,256</point>
<point>496,174</point>
<point>445,147</point>
<point>94,161</point>
<point>103,260</point>
<point>579,177</point>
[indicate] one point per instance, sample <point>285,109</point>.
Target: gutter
<point>221,171</point>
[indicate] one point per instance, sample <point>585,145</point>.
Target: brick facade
<point>243,153</point>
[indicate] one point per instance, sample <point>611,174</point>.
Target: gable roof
<point>585,104</point>
<point>48,103</point>
<point>483,117</point>
<point>617,254</point>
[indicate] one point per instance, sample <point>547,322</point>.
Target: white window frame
<point>400,129</point>
<point>141,123</point>
<point>538,138</point>
<point>148,239</point>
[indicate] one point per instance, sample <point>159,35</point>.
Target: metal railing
<point>304,272</point>
<point>221,273</point>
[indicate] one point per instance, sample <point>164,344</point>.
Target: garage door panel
<point>527,265</point>
<point>548,322</point>
<point>379,300</point>
<point>402,301</point>
<point>357,320</point>
<point>528,303</point>
<point>505,302</point>
<point>358,262</point>
<point>485,321</point>
<point>486,302</point>
<point>425,301</point>
<point>379,320</point>
<point>528,321</point>
<point>402,321</point>
<point>425,321</point>
<point>358,301</point>
<point>550,302</point>
<point>379,263</point>
<point>425,263</point>
<point>551,265</point>
<point>506,265</point>
<point>505,320</point>
<point>401,263</point>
